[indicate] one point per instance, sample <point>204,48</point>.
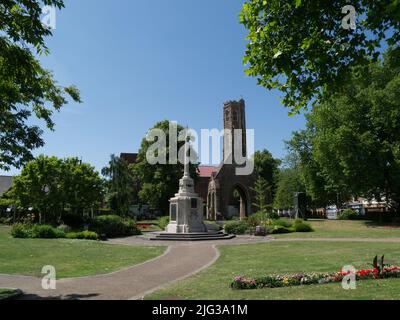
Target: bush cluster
<point>114,226</point>
<point>236,227</point>
<point>348,214</point>
<point>83,235</point>
<point>270,226</point>
<point>20,230</point>
<point>163,222</point>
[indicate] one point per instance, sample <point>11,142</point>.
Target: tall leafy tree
<point>266,168</point>
<point>356,133</point>
<point>301,48</point>
<point>50,186</point>
<point>305,167</point>
<point>120,185</point>
<point>289,182</point>
<point>26,88</point>
<point>260,190</point>
<point>82,186</point>
<point>159,182</point>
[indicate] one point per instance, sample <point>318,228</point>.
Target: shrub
<point>236,227</point>
<point>283,223</point>
<point>272,215</point>
<point>86,235</point>
<point>163,222</point>
<point>348,214</point>
<point>20,230</point>
<point>46,232</point>
<point>280,230</point>
<point>302,227</point>
<point>213,226</point>
<point>255,219</point>
<point>114,226</point>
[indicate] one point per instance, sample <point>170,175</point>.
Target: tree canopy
<point>26,89</point>
<point>120,185</point>
<point>159,182</point>
<point>51,186</point>
<point>300,47</point>
<point>352,139</point>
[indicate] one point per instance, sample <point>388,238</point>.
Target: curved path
<point>176,263</point>
<point>179,261</point>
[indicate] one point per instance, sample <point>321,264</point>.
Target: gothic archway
<point>238,202</point>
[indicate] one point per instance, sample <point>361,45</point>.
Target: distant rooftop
<point>129,157</point>
<point>206,171</point>
<point>5,184</point>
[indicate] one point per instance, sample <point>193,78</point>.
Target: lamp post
<point>46,190</point>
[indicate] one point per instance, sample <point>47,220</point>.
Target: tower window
<point>235,116</point>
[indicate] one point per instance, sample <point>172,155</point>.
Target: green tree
<point>289,182</point>
<point>50,186</point>
<point>302,161</point>
<point>300,47</point>
<point>120,185</point>
<point>266,167</point>
<point>82,186</point>
<point>159,182</point>
<point>26,89</point>
<point>356,133</point>
<point>260,189</point>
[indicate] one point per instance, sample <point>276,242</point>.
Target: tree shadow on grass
<point>75,296</point>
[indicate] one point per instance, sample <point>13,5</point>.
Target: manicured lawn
<point>71,258</point>
<point>288,257</point>
<point>345,229</point>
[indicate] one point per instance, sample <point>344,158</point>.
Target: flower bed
<point>276,281</point>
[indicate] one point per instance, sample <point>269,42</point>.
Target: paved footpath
<point>180,260</point>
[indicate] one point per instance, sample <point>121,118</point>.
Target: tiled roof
<point>206,171</point>
<point>5,184</point>
<point>129,157</point>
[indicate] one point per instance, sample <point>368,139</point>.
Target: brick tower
<point>234,118</point>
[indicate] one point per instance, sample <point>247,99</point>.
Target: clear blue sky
<point>138,62</point>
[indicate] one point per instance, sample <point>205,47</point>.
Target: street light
<point>46,190</point>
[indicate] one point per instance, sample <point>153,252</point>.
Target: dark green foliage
<point>46,232</point>
<point>114,226</point>
<point>236,227</point>
<point>348,214</point>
